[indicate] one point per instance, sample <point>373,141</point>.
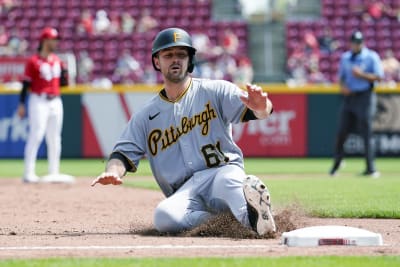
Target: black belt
<point>360,92</point>
<point>48,96</point>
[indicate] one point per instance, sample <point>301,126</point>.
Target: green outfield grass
<point>382,261</point>
<point>259,166</point>
<point>303,182</point>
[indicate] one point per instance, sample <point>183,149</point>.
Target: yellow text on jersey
<point>165,138</point>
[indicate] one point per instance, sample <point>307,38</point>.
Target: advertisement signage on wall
<point>12,68</point>
<point>13,130</point>
<point>386,127</point>
<point>104,117</point>
<point>282,134</point>
<point>301,125</point>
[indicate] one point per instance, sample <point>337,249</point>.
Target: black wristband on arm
<point>249,115</point>
<point>129,165</point>
<point>64,77</point>
<point>24,91</point>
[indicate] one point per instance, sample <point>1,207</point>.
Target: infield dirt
<point>76,220</point>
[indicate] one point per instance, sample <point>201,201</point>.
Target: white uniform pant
<point>45,118</point>
<point>205,194</point>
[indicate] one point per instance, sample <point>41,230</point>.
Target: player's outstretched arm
<point>257,100</point>
<point>115,169</point>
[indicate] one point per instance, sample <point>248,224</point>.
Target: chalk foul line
<point>138,247</point>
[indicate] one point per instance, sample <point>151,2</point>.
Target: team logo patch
<point>177,36</point>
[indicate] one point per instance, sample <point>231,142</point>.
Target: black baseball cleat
<point>258,205</point>
<point>333,172</point>
<point>336,167</point>
<point>372,174</point>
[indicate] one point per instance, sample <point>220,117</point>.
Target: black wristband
<point>129,165</point>
<point>24,91</point>
<point>64,77</point>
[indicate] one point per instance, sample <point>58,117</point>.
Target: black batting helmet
<point>171,37</point>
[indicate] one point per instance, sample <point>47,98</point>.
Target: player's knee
<point>164,220</point>
<point>227,182</point>
<point>36,137</point>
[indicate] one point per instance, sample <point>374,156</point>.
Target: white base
<point>58,178</point>
<point>331,235</point>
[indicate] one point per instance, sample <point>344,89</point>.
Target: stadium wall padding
<point>72,126</point>
<point>303,124</point>
<point>323,118</point>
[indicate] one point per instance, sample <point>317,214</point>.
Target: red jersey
<point>44,74</point>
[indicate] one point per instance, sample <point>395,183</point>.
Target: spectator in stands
<point>391,69</point>
<point>327,43</point>
<point>146,22</point>
<point>374,10</point>
<point>244,72</point>
<point>205,50</point>
<point>127,23</point>
<point>303,63</point>
<point>7,5</point>
<point>4,37</point>
<point>85,24</point>
<point>16,44</point>
<point>206,55</point>
<point>230,42</point>
<point>208,70</point>
<point>149,75</point>
<point>227,64</point>
<point>85,67</point>
<point>101,22</point>
<point>115,24</point>
<point>128,69</point>
<point>314,74</point>
<point>296,65</point>
<point>311,44</point>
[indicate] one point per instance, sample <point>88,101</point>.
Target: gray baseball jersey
<point>190,134</point>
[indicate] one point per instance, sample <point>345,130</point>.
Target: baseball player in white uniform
<point>43,76</point>
<point>185,132</point>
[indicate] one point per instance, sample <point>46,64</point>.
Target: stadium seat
<point>64,15</point>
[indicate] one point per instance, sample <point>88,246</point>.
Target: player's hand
<point>21,110</point>
<point>107,178</point>
<point>255,99</point>
<point>357,72</point>
<point>345,91</point>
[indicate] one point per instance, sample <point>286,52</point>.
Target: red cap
<point>49,33</point>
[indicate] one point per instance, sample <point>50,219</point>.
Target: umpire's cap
<point>171,37</point>
<point>357,37</point>
<point>49,33</point>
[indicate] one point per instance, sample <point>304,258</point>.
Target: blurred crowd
<point>103,23</point>
<point>304,61</point>
<point>303,64</point>
<point>213,60</point>
<point>217,59</point>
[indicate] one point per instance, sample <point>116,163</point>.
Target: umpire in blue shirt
<point>359,70</point>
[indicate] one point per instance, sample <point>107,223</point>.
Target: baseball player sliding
<point>185,131</point>
<point>43,76</point>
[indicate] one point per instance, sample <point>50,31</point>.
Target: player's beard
<point>176,76</point>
